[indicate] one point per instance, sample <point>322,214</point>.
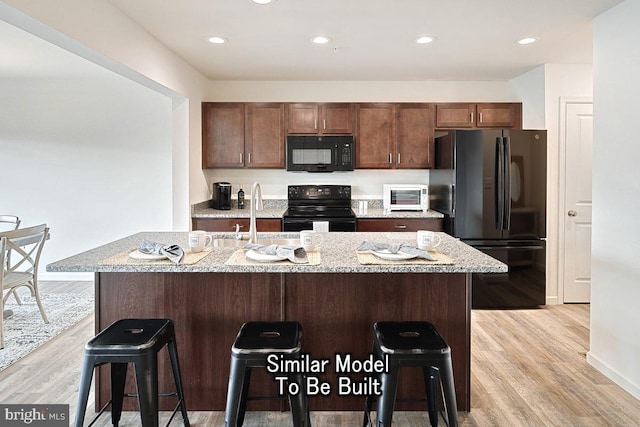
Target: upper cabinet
<point>414,136</point>
<point>484,115</point>
<point>236,135</point>
<point>375,136</point>
<point>222,135</point>
<point>320,119</point>
<point>394,136</point>
<point>264,137</point>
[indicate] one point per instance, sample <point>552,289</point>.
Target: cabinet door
<point>228,225</point>
<point>414,136</point>
<point>501,115</point>
<point>264,135</point>
<point>400,224</point>
<point>455,115</point>
<point>302,118</point>
<point>375,136</point>
<point>337,119</point>
<point>222,135</point>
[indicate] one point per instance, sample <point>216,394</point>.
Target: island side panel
<point>338,312</point>
<point>208,310</point>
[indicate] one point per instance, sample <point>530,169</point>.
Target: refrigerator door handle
<point>498,184</point>
<point>507,184</point>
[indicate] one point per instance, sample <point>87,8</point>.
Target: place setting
<point>199,246</point>
<point>305,253</point>
<point>424,252</point>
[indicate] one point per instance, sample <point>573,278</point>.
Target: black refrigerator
<point>491,185</point>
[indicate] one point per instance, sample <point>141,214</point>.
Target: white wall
<point>615,289</point>
<point>99,32</point>
<point>89,157</point>
<point>529,88</point>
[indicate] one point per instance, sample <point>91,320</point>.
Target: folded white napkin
<point>394,248</point>
<point>174,252</point>
<point>295,254</point>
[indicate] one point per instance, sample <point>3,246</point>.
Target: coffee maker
<point>221,196</point>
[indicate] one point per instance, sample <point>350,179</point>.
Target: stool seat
<point>269,337</point>
<point>135,341</point>
<point>407,338</point>
<point>413,343</point>
<point>254,343</point>
<point>129,336</point>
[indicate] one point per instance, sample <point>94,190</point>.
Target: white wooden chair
<point>26,245</point>
<point>8,223</point>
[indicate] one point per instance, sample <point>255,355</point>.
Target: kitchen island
<point>337,302</point>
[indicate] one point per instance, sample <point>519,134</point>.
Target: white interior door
<point>577,197</point>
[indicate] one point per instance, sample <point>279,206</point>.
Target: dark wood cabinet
<point>399,224</point>
<point>499,115</point>
<point>228,225</point>
<point>375,136</point>
<point>264,141</point>
<point>222,135</point>
<point>483,115</point>
<point>395,136</point>
<point>415,124</point>
<point>236,135</point>
<point>320,119</point>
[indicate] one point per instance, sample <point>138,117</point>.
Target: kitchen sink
<point>235,243</point>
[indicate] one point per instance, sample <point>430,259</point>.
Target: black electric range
<point>309,203</point>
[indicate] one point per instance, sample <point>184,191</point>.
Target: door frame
<point>562,185</point>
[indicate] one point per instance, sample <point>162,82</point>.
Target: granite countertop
<point>337,256</point>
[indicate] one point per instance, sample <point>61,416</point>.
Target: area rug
<point>25,331</point>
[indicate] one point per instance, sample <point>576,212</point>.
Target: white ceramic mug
<point>310,240</point>
<point>199,240</point>
<point>428,240</point>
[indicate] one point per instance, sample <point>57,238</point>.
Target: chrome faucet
<point>256,203</point>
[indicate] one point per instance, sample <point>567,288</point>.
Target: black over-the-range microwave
<point>312,153</point>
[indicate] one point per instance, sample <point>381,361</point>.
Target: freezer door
<point>526,184</point>
<point>523,286</point>
<point>476,202</point>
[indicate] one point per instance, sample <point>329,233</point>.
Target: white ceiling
<point>372,39</point>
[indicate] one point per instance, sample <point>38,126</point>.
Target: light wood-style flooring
<point>528,369</point>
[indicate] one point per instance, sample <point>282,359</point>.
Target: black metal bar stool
<point>137,341</point>
<point>254,343</point>
<point>413,344</point>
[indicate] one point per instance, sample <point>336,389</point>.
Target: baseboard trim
<point>552,300</point>
<point>613,375</point>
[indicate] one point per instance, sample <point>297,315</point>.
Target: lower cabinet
<point>400,224</point>
<point>227,225</point>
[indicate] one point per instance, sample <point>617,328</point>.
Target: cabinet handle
<point>400,226</point>
<point>324,123</point>
<point>471,114</point>
<point>480,118</point>
<point>240,158</point>
<point>398,159</point>
<point>248,158</point>
<point>237,226</point>
<point>315,123</point>
<point>390,158</point>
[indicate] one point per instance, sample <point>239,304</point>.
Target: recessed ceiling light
<point>320,39</point>
<point>426,39</point>
<point>217,40</point>
<point>527,40</point>
<point>262,1</point>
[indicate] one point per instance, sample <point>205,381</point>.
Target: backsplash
<point>365,184</point>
